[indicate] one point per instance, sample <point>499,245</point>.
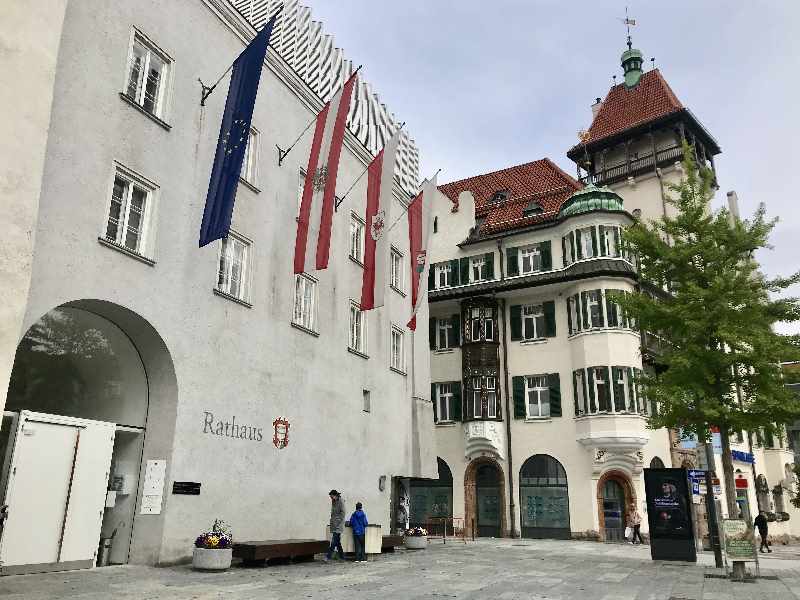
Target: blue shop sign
<point>745,457</point>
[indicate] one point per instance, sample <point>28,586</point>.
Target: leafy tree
<point>702,293</point>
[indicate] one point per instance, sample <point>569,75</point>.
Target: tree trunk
<point>739,571</point>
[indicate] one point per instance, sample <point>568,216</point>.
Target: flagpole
<point>405,210</point>
<point>282,153</point>
<point>340,200</point>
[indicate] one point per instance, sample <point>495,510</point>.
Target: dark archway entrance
<point>432,500</point>
<point>543,498</point>
<point>489,500</point>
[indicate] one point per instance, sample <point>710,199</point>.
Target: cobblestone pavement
<point>486,569</point>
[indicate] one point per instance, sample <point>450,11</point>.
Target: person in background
<point>358,521</point>
<point>763,531</point>
<point>635,523</point>
<point>336,524</point>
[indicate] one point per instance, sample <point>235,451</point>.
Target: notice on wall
<point>740,544</point>
<point>153,487</point>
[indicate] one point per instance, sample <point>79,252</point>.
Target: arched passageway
<point>432,500</point>
<point>543,498</point>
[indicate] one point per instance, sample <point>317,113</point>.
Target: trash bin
<point>104,552</point>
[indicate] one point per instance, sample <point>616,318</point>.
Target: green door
<point>487,493</point>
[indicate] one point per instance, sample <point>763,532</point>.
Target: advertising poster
<point>669,514</point>
<point>740,543</point>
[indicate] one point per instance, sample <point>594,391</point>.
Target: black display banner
<point>669,515</point>
<point>188,488</point>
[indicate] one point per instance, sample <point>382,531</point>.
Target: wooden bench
<point>258,553</point>
<point>389,542</point>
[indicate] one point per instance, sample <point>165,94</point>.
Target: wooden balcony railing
<point>637,166</point>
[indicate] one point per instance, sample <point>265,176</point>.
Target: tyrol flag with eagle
<point>314,224</point>
<point>419,231</point>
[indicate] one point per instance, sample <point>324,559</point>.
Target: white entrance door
<point>56,492</point>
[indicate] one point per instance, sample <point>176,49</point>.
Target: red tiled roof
<point>540,180</point>
<point>623,108</point>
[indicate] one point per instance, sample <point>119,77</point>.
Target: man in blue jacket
<point>358,521</point>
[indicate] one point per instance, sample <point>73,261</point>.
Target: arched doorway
<point>614,495</point>
<point>432,500</point>
<point>92,361</point>
<point>484,493</point>
<point>543,498</point>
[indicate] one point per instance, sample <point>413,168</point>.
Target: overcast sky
<point>484,85</point>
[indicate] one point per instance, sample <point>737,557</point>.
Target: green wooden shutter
<point>618,403</point>
<point>549,308</point>
<point>512,262</point>
<point>490,265</point>
<point>433,400</point>
<point>575,392</point>
<point>431,277</point>
<point>463,270</point>
<point>632,391</point>
<point>547,255</point>
<point>601,240</point>
<point>594,240</point>
<point>585,310</point>
<point>564,259</point>
<point>516,322</point>
<point>576,235</point>
<point>432,332</point>
<point>569,314</point>
<point>456,387</point>
<point>590,389</point>
<point>554,383</point>
<point>518,387</point>
<point>617,248</point>
<point>456,322</point>
<point>607,391</point>
<point>454,278</point>
<point>611,311</point>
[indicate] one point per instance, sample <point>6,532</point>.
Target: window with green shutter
<point>547,255</point>
<point>566,259</point>
<point>584,309</point>
<point>602,388</point>
<point>432,332</point>
<point>612,309</point>
<point>463,269</point>
<point>518,389</point>
<point>490,266</point>
<point>549,318</point>
<point>455,320</point>
<point>432,277</point>
<point>591,390</point>
<point>516,322</point>
<point>512,263</point>
<point>456,413</point>
<point>435,401</point>
<point>454,274</point>
<point>554,382</point>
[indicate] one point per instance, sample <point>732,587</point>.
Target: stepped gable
<point>625,108</point>
<point>536,191</point>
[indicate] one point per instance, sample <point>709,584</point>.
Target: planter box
<point>416,542</point>
<point>212,559</point>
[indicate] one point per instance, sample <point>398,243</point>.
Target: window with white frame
<point>595,308</point>
<point>568,243</point>
<point>444,402</point>
<point>250,162</point>
<point>358,329</point>
<point>531,259</point>
<point>537,396</point>
<point>475,321</point>
<point>305,302</point>
<point>488,327</point>
<point>396,279</point>
<point>445,334</point>
<point>622,400</point>
<point>356,239</point>
<point>444,275</point>
<point>477,397</point>
<point>585,236</point>
<point>146,82</point>
<point>398,357</point>
<point>129,213</point>
<point>487,386</point>
<point>601,391</point>
<point>234,271</point>
<point>533,323</point>
<point>478,267</point>
<point>491,397</point>
<point>609,240</point>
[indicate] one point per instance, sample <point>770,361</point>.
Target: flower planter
<point>212,559</point>
<point>416,542</point>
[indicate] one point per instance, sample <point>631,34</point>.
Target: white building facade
<point>160,386</point>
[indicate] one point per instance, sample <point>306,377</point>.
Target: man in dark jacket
<point>358,521</point>
<point>336,524</point>
<point>763,530</point>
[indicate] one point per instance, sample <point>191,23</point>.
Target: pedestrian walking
<point>635,523</point>
<point>336,524</point>
<point>358,521</point>
<point>763,531</point>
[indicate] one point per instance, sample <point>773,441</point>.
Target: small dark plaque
<point>188,488</point>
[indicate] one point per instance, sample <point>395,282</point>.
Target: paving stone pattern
<point>486,569</point>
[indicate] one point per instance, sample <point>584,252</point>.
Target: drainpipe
<point>512,505</point>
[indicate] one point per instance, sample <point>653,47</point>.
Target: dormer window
<point>533,208</point>
<point>499,197</point>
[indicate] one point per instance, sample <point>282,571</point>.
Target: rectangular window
<point>366,400</point>
<point>481,386</point>
<point>356,239</point>
<point>147,76</point>
<point>533,324</point>
<point>488,328</point>
<point>491,397</point>
<point>250,162</point>
<point>444,402</point>
<point>234,271</point>
<point>574,307</point>
<point>478,268</point>
<point>305,300</point>
<point>622,401</point>
<point>129,213</point>
<point>358,329</point>
<point>531,259</point>
<point>537,396</point>
<point>475,321</point>
<point>398,357</point>
<point>567,244</point>
<point>595,308</point>
<point>585,239</point>
<point>477,396</point>
<point>444,334</point>
<point>609,240</point>
<point>444,275</point>
<point>396,270</point>
<point>601,392</point>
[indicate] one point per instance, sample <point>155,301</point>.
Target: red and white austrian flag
<point>420,222</point>
<point>380,179</point>
<point>313,242</point>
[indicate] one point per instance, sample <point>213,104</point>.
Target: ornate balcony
<point>615,440</point>
<point>484,438</point>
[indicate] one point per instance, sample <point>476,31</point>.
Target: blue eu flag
<point>233,134</point>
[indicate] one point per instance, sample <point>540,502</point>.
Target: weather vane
<point>628,22</point>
